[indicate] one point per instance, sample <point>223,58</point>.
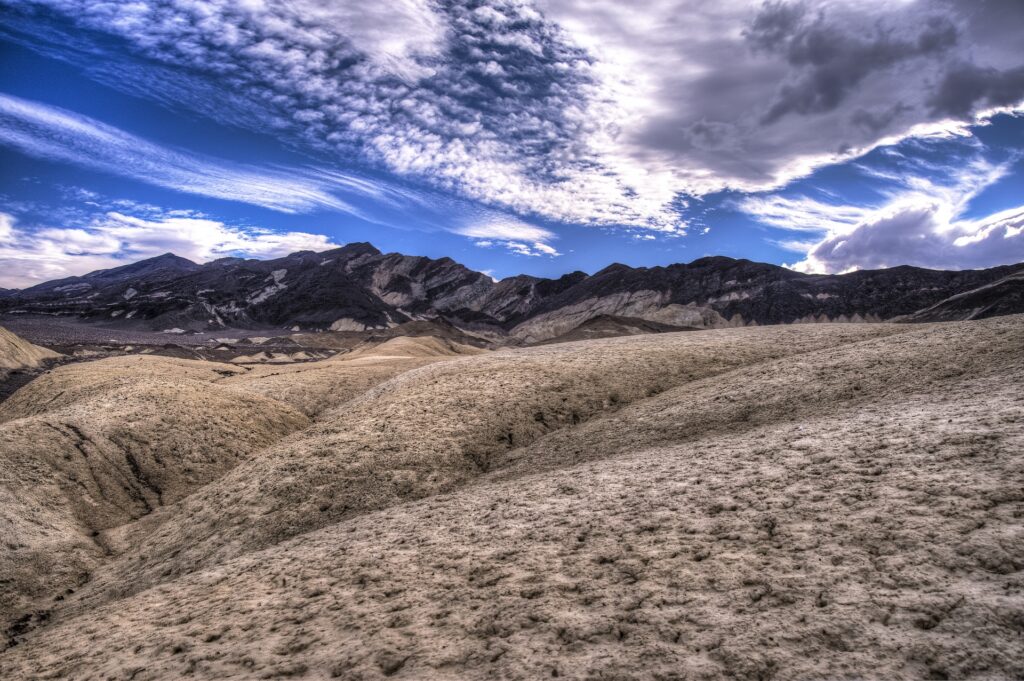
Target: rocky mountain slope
<point>798,502</point>
<point>357,287</point>
<point>1003,296</point>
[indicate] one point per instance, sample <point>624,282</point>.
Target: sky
<point>514,136</point>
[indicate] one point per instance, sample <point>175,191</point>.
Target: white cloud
<point>506,229</point>
<point>398,35</point>
<point>920,233</point>
<point>399,86</point>
<point>920,222</point>
<point>32,256</point>
<point>517,237</point>
<point>803,214</point>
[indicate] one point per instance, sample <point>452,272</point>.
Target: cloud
<point>921,221</point>
<point>829,61</point>
<point>57,134</point>
<point>803,214</point>
<point>968,87</point>
<point>32,256</point>
<point>517,237</point>
<point>580,111</point>
<point>921,234</point>
<point>750,95</point>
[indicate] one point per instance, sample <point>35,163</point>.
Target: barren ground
<point>806,502</point>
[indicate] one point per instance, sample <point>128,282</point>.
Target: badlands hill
<point>17,353</point>
<point>358,288</point>
<point>790,502</point>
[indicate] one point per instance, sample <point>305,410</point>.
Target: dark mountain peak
<point>300,255</point>
<point>615,267</point>
<point>715,261</point>
<point>349,255</point>
<point>227,260</point>
<point>517,279</point>
<point>170,260</point>
<point>167,261</point>
<point>356,248</point>
<point>158,267</point>
<point>169,257</point>
<point>575,276</point>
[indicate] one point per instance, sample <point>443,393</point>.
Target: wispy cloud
<point>802,214</point>
<point>518,237</point>
<point>57,134</point>
<point>31,256</point>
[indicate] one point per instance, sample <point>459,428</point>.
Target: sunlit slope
<point>90,447</point>
<point>18,353</point>
<point>313,387</point>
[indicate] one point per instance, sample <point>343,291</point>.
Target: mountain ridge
<point>356,287</point>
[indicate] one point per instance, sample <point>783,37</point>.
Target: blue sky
<point>513,136</point>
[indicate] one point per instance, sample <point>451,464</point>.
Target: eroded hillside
<point>784,502</point>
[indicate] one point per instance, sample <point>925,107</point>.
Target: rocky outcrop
<point>1002,297</point>
<point>357,288</point>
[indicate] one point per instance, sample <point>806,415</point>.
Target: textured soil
<point>807,502</point>
<point>17,353</point>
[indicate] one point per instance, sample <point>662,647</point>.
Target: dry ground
<point>810,502</point>
<point>17,353</point>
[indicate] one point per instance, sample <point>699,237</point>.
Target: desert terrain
<point>828,501</point>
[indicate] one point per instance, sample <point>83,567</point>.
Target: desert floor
<point>834,501</point>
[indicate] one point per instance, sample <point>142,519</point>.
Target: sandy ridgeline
<point>789,502</point>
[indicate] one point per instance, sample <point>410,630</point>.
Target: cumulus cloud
<point>920,233</point>
<point>32,256</point>
<point>920,222</point>
<point>518,237</point>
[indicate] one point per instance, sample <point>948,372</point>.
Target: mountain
<point>358,288</point>
<point>162,267</point>
<point>611,326</point>
<point>1001,297</point>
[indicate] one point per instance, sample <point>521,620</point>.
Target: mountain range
<point>358,288</point>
